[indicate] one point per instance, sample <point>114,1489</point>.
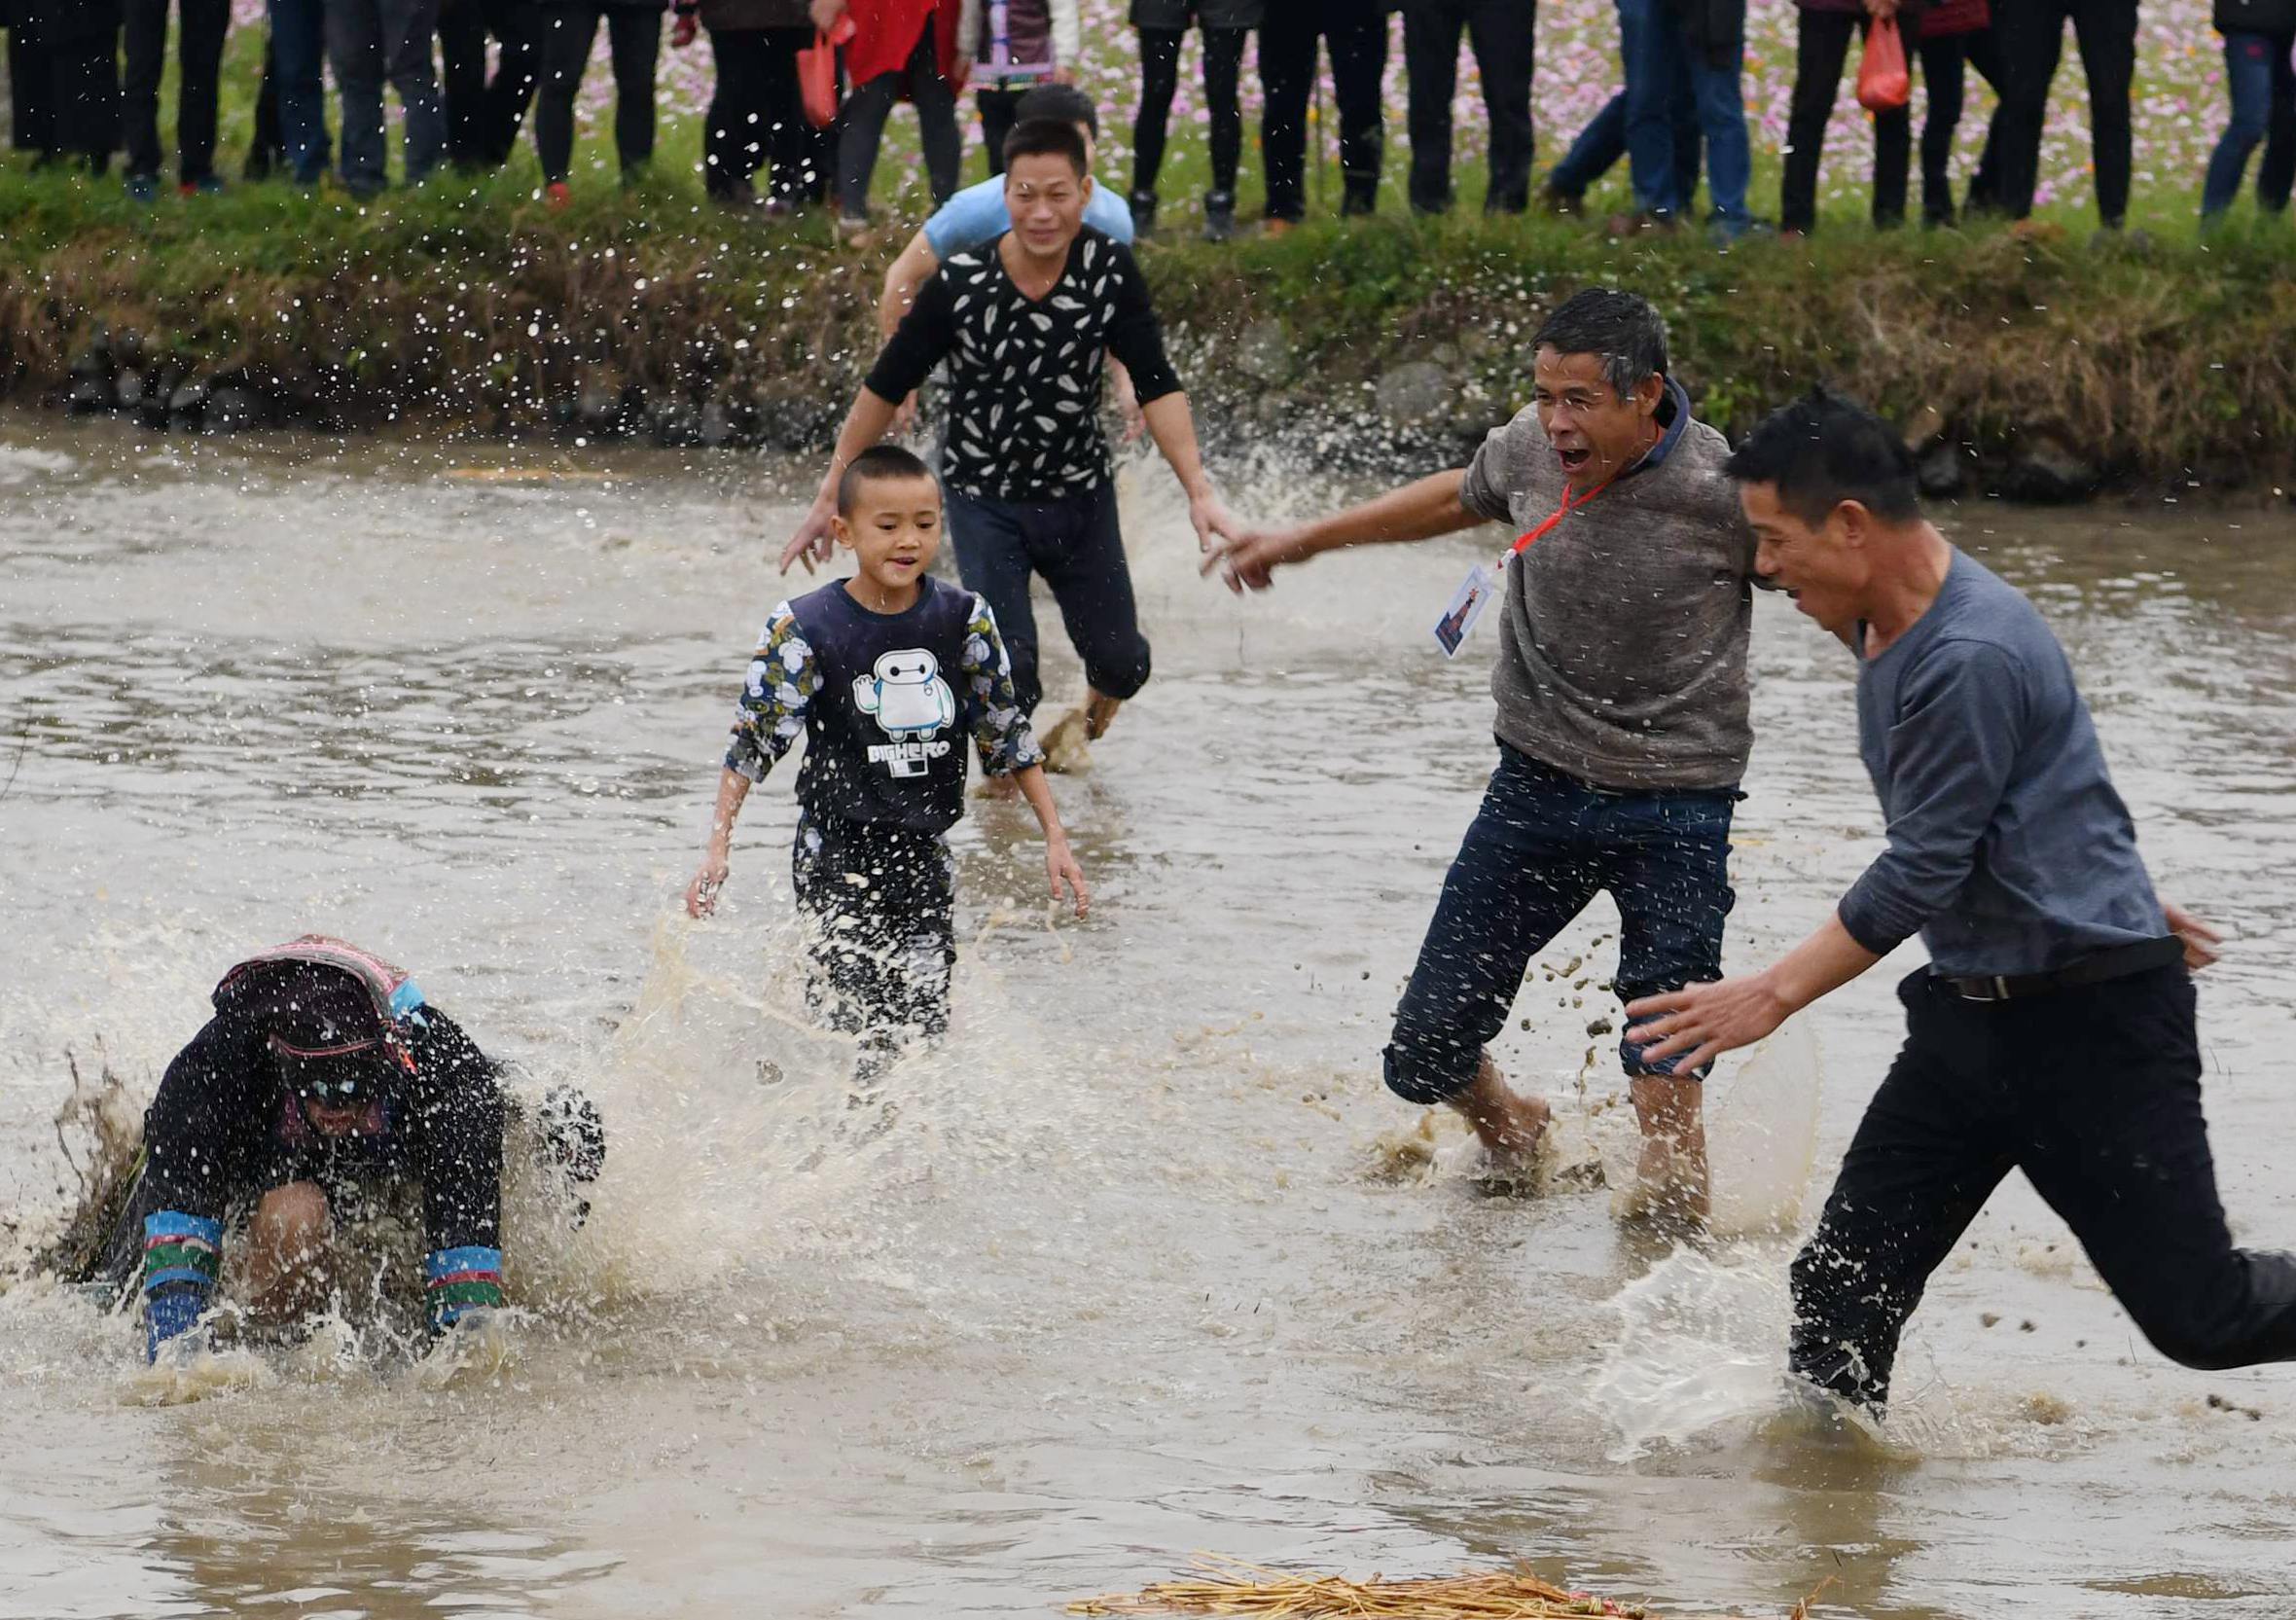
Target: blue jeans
<point>1663,74</point>
<point>299,49</point>
<point>1542,847</point>
<point>2263,90</point>
<point>371,42</point>
<point>1603,142</point>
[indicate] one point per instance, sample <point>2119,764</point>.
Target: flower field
<point>2179,106</point>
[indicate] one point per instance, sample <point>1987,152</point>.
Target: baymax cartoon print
<point>907,694</point>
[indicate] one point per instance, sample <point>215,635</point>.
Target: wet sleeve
<point>921,341</point>
<point>1493,474</point>
<point>459,1118</point>
<point>1134,335</point>
<point>207,1119</point>
<point>1961,715</point>
<point>1001,731</point>
<point>770,715</point>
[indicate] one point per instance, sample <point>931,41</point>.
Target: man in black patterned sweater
<point>1027,325</point>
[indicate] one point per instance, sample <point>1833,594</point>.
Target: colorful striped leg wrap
<point>182,1257</point>
<point>460,1280</point>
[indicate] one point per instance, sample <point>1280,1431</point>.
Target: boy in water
<point>858,667</point>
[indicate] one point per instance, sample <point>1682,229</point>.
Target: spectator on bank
<point>2259,36</point>
<point>297,47</point>
<point>756,117</point>
<point>199,63</point>
<point>482,115</point>
<point>569,28</point>
<point>2031,36</point>
<point>1501,33</point>
<point>1688,53</point>
<point>1954,35</point>
<point>1822,32</point>
<point>1355,31</point>
<point>28,79</point>
<point>1015,46</point>
<point>900,48</point>
<point>1161,25</point>
<point>64,73</point>
<point>1603,143</point>
<point>267,147</point>
<point>371,43</point>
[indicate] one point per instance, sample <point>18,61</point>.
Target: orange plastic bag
<point>1883,85</point>
<point>816,74</point>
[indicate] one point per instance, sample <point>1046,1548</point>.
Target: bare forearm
<point>866,424</point>
<point>1819,966</point>
<point>733,791</point>
<point>1419,511</point>
<point>1175,432</point>
<point>1038,791</point>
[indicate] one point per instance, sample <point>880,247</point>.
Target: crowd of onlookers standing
<point>469,75</point>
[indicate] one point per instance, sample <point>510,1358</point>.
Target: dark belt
<point>2119,962</point>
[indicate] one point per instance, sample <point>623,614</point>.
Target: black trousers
<point>756,117</point>
<point>2030,35</point>
<point>862,126</point>
<point>883,904</point>
<point>29,91</point>
<point>1357,33</point>
<point>1076,545</point>
<point>1500,32</point>
<point>1943,64</point>
<point>633,37</point>
<point>999,112</point>
<point>1159,81</point>
<point>198,54</point>
<point>483,116</point>
<point>2095,1095</point>
<point>1821,44</point>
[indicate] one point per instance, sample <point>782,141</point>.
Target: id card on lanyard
<point>1487,579</point>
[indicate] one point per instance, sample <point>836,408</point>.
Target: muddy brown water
<point>1144,1265</point>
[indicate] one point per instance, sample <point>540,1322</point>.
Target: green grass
<point>467,303</point>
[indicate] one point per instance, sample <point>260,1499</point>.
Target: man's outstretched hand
<point>1246,555</point>
<point>812,543</point>
<point>1698,1022</point>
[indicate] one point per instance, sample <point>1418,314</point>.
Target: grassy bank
<point>467,307</point>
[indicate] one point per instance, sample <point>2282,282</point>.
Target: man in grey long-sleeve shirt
<point>2053,1030</point>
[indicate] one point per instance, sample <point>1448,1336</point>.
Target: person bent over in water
<point>883,673</point>
<point>323,1074</point>
<point>1621,681</point>
<point>1027,324</point>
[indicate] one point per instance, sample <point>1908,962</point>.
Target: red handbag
<point>816,73</point>
<point>1883,86</point>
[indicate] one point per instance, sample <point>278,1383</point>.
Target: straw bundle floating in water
<point>1229,1586</point>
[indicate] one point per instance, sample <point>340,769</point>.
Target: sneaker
<point>852,232</point>
<point>557,195</point>
<point>207,185</point>
<point>1219,217</point>
<point>1562,204</point>
<point>143,188</point>
<point>1143,207</point>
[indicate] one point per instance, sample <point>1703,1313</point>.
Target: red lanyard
<point>1561,511</point>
